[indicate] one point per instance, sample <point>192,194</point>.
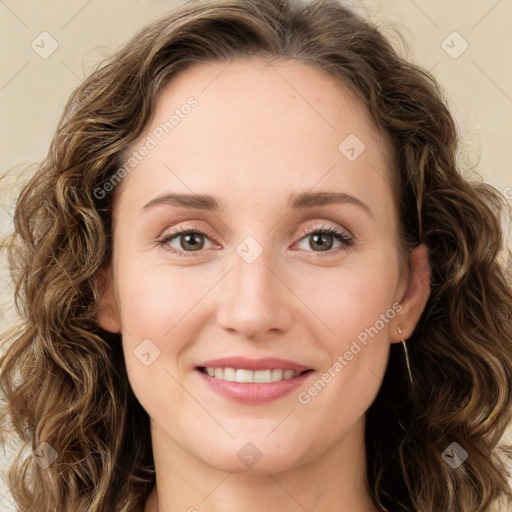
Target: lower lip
<point>252,392</point>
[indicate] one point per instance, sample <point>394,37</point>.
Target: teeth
<point>229,374</point>
<point>243,375</point>
<point>262,376</point>
<point>287,374</point>
<point>277,375</point>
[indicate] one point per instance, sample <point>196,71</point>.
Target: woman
<point>251,276</point>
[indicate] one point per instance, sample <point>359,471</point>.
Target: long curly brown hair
<point>64,378</point>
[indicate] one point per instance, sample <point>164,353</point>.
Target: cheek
<point>155,297</point>
<point>356,355</point>
<point>352,298</point>
<point>357,306</point>
<point>156,303</point>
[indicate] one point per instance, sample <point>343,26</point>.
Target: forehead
<point>259,126</point>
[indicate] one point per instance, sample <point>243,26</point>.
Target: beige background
<point>33,90</point>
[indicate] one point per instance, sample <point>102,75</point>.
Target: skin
<point>259,133</point>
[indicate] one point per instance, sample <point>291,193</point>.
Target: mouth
<point>252,381</point>
<point>243,375</point>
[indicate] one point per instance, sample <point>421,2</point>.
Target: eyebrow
<point>296,202</point>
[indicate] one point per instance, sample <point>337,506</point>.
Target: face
<point>290,268</point>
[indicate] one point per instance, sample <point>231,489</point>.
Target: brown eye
<point>184,241</point>
<point>323,240</point>
<point>191,241</point>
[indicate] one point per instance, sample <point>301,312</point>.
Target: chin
<point>254,457</point>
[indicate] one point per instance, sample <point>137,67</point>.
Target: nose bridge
<point>252,278</point>
<point>253,299</point>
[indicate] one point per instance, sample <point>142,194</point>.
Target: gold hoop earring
<point>406,355</point>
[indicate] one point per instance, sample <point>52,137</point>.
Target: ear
<point>415,296</point>
<point>107,315</point>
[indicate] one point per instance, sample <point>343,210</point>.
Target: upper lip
<point>266,363</point>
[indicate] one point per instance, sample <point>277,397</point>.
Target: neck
<point>334,480</point>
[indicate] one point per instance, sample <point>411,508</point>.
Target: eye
<point>322,238</point>
<point>187,240</point>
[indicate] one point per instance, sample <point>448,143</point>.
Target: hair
<point>64,377</point>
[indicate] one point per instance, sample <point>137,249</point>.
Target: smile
<point>253,376</point>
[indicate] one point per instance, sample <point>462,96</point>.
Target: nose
<point>255,302</point>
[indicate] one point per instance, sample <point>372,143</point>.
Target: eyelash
<point>346,240</point>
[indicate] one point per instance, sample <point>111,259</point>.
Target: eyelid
<point>172,231</point>
<point>319,226</point>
